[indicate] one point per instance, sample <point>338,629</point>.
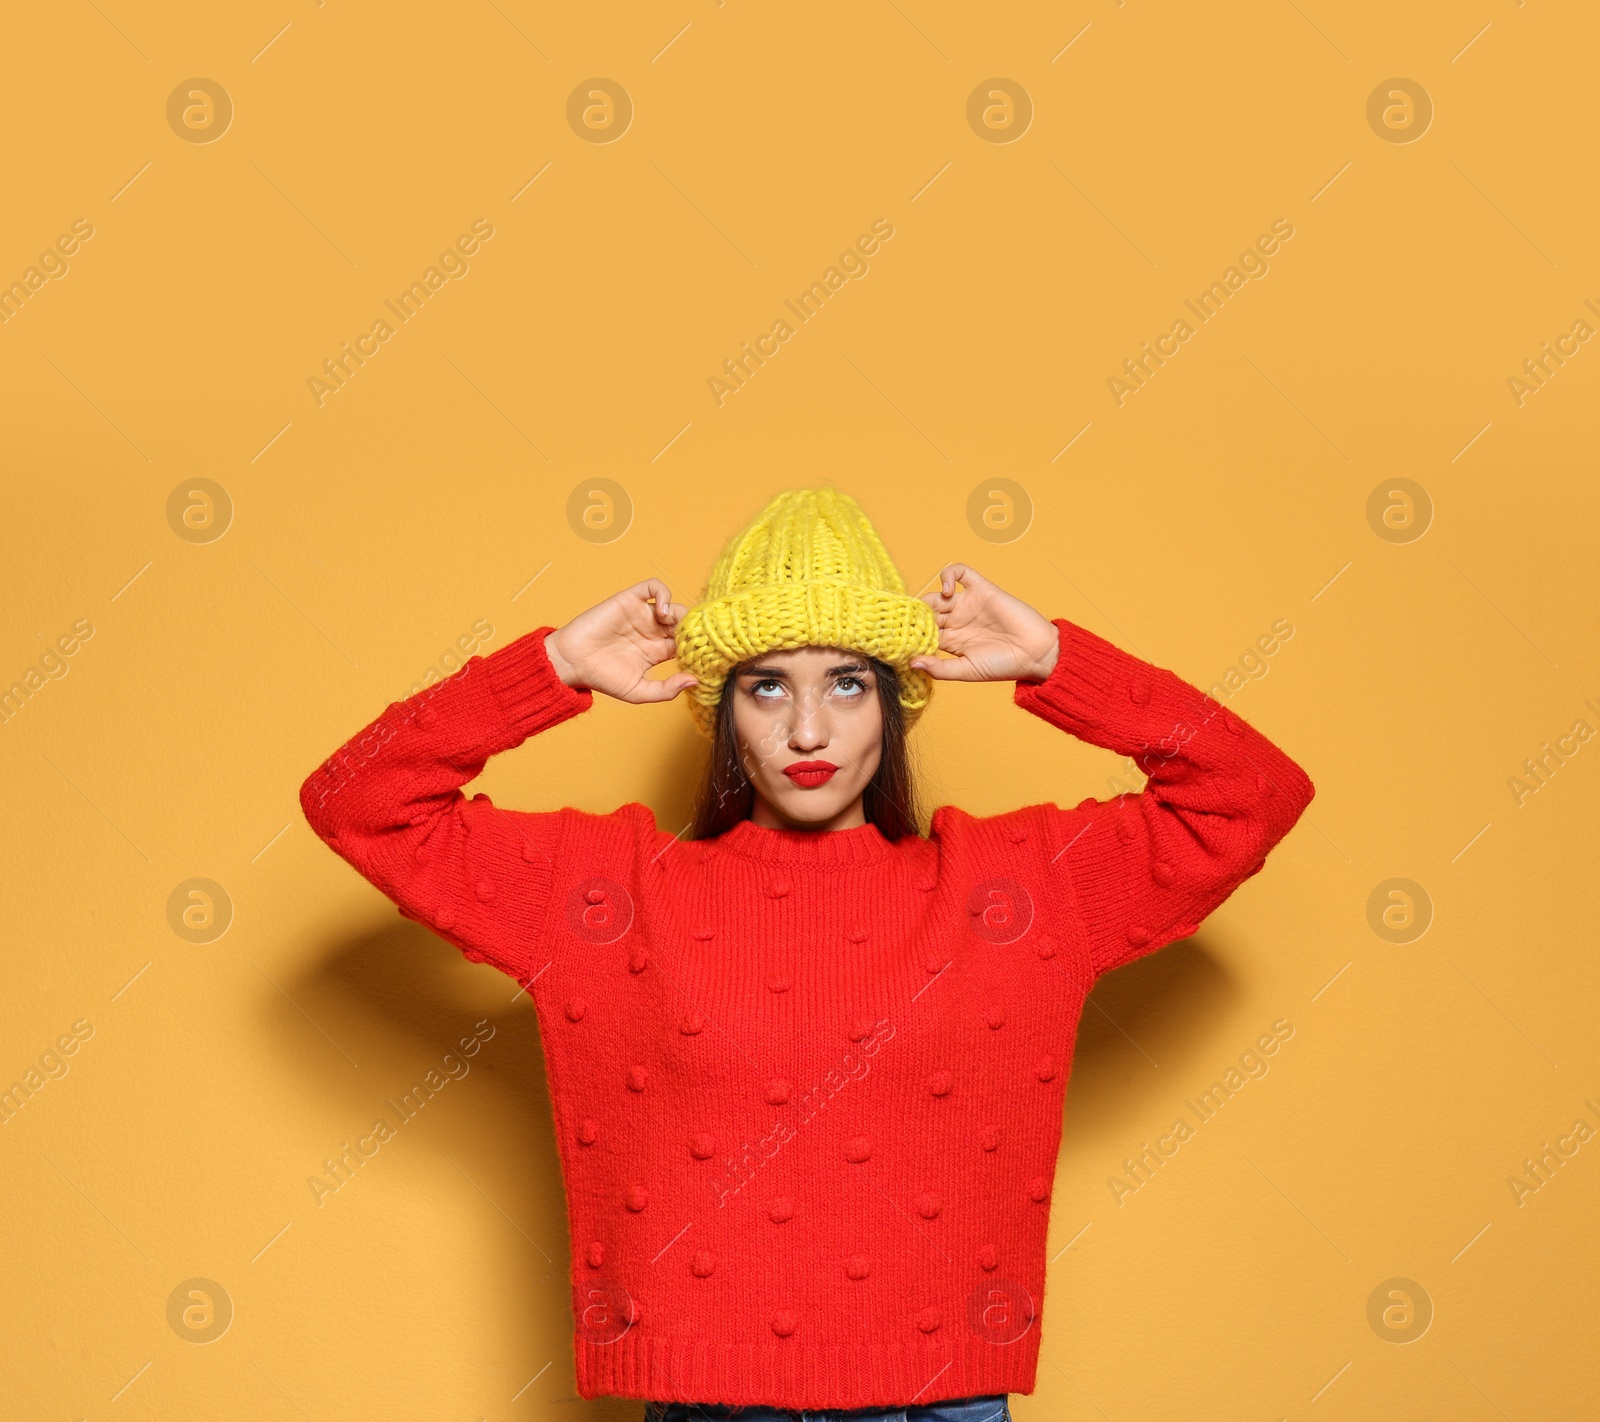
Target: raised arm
<point>1139,870</point>
<point>1145,869</point>
<point>389,801</point>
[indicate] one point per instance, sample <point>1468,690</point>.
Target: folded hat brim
<point>719,633</point>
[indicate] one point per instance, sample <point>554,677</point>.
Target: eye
<point>756,691</point>
<point>855,681</point>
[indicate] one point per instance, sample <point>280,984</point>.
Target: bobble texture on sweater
<point>808,1087</point>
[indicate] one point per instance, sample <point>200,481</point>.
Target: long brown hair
<point>890,802</point>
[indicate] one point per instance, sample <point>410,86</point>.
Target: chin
<point>808,807</point>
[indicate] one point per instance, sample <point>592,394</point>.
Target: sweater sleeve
<point>1144,869</point>
<point>389,802</point>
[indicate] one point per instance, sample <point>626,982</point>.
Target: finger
<point>947,668</point>
<point>656,591</point>
<point>941,599</point>
<point>949,576</point>
<point>669,614</point>
<point>656,598</point>
<point>649,689</point>
<point>968,577</point>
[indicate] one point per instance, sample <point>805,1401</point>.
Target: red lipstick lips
<point>810,773</point>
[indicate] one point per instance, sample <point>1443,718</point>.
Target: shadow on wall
<point>1148,1028</point>
<point>399,999</point>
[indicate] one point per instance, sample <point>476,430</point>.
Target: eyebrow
<point>779,674</point>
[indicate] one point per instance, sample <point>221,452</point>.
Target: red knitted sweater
<point>808,1086</point>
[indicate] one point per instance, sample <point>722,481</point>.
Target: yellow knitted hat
<point>808,571</point>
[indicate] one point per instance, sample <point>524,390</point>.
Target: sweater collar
<point>862,844</point>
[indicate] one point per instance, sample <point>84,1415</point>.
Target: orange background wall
<point>1339,448</point>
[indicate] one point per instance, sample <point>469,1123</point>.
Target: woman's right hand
<point>613,645</point>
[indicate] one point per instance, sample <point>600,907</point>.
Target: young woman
<point>807,1066</point>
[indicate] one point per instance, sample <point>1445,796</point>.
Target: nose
<point>810,725</point>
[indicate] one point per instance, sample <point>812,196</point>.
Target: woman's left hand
<point>990,635</point>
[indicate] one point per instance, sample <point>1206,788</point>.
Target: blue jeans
<point>955,1409</point>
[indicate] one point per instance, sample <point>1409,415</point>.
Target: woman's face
<point>800,706</point>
